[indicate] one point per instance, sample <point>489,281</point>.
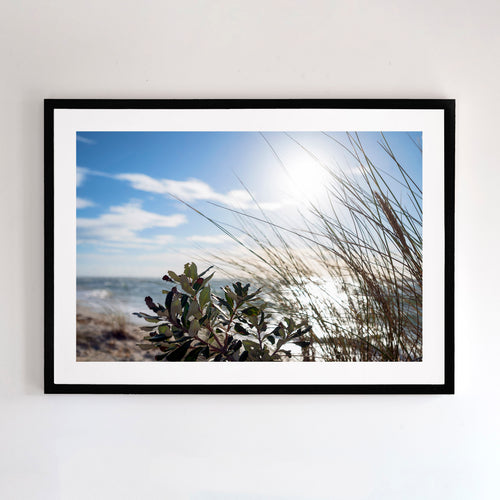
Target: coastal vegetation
<point>195,324</point>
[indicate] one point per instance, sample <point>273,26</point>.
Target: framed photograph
<point>249,246</point>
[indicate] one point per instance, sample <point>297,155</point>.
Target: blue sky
<point>128,224</point>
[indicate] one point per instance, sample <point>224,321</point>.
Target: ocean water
<point>125,295</point>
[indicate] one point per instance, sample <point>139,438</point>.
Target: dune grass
<point>354,268</point>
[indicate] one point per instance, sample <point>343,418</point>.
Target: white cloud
<point>85,140</point>
<point>83,203</point>
<point>120,226</point>
<point>189,190</point>
<point>143,182</point>
<point>81,173</point>
<point>193,190</point>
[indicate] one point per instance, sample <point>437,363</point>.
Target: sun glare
<point>307,178</point>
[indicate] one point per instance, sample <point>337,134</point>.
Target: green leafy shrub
<point>196,325</point>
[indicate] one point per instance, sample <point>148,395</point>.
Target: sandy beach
<point>107,337</point>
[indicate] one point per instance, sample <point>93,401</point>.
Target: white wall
<point>247,447</point>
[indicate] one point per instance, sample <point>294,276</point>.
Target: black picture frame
<point>446,106</point>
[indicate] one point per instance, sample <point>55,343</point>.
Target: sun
<point>307,178</point>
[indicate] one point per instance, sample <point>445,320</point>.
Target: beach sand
<point>108,337</point>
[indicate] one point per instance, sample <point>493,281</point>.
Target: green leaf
<point>185,310</point>
<point>252,295</point>
<point>168,299</point>
<point>147,317</point>
<point>204,297</point>
<point>165,330</point>
<point>239,329</point>
<point>178,354</point>
<point>194,327</point>
<point>184,299</point>
<point>253,320</point>
<point>250,344</point>
<point>191,271</point>
<point>157,338</point>
<point>279,331</point>
<point>233,295</point>
<point>179,338</point>
<point>194,271</point>
<point>280,343</point>
<point>193,355</point>
<point>216,309</point>
<point>175,307</point>
<point>174,276</point>
<point>238,289</point>
<point>186,286</point>
<point>229,299</point>
<point>207,279</point>
<point>146,347</point>
<point>148,328</point>
<point>178,333</point>
<point>251,311</point>
<point>194,310</point>
<point>205,272</point>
